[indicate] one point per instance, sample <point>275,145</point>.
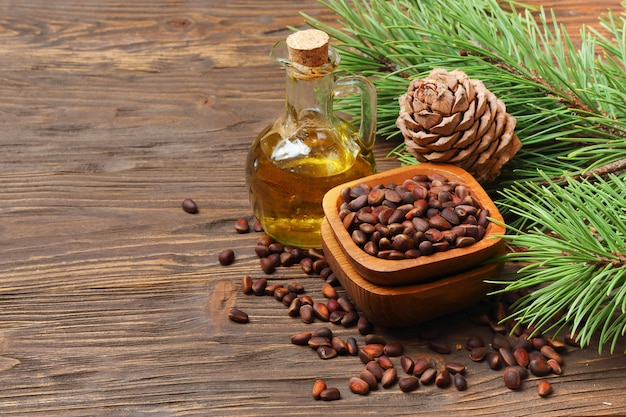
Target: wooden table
<point>112,300</point>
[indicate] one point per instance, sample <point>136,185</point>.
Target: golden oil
<point>286,191</point>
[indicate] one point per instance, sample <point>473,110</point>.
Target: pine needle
<point>574,253</point>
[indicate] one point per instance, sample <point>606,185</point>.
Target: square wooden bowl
<point>408,305</point>
<point>424,268</point>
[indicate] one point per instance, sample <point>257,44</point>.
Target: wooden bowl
<point>408,305</point>
<point>424,268</point>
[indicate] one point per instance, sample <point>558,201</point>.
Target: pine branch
<point>565,191</point>
<point>617,167</point>
<point>528,61</point>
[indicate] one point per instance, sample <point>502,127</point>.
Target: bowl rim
<point>397,272</point>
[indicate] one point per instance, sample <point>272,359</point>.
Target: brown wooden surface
<point>112,302</point>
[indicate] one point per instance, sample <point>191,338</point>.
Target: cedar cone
<point>446,117</point>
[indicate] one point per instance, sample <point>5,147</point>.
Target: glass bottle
<point>309,150</point>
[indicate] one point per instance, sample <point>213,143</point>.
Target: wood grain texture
<point>410,304</point>
<point>112,302</point>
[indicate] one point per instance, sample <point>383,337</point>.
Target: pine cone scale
<point>445,143</point>
<point>428,119</point>
<point>448,125</point>
<point>468,117</point>
<point>469,136</point>
<point>461,102</point>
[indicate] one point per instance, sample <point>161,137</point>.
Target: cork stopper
<point>308,47</point>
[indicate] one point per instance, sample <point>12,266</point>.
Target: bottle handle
<point>358,85</point>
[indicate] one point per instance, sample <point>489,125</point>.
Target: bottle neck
<point>309,96</point>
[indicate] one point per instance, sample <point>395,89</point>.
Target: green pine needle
<point>574,254</point>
